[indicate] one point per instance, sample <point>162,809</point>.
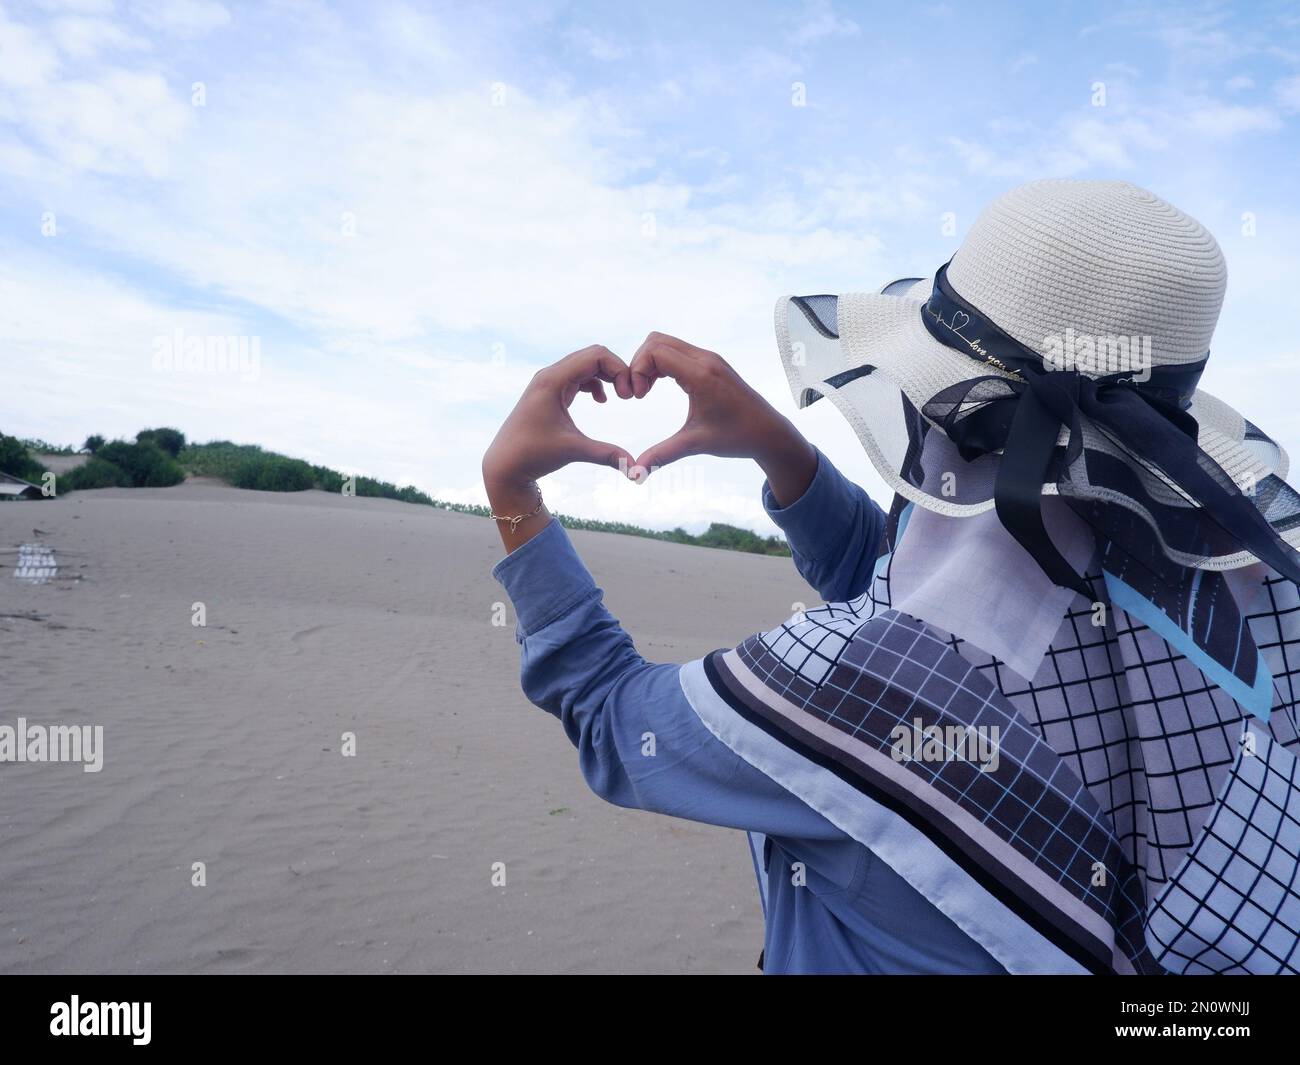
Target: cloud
<point>1288,93</point>
<point>1228,120</point>
<point>426,247</point>
<point>183,18</point>
<point>116,120</point>
<point>1201,36</point>
<point>80,37</point>
<point>1023,61</point>
<point>26,60</point>
<point>818,22</point>
<point>1077,145</point>
<point>597,45</point>
<point>415,210</point>
<point>1111,139</point>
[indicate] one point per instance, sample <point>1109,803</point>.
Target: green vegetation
<point>120,464</point>
<point>169,440</point>
<point>145,463</point>
<point>161,457</point>
<point>732,538</point>
<point>95,472</point>
<point>46,448</point>
<point>720,535</point>
<point>272,473</point>
<point>15,461</point>
<point>249,466</point>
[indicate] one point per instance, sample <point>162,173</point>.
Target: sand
<point>222,745</point>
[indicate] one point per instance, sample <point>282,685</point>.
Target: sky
<point>402,211</point>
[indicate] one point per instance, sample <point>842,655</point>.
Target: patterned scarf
<point>1117,812</point>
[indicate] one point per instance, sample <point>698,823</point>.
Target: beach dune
<point>223,744</point>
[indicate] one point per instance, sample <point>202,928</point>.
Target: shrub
<point>273,473</point>
<point>368,486</point>
<point>217,459</point>
<point>731,538</point>
<point>169,440</point>
<point>15,461</point>
<point>93,443</point>
<point>145,464</point>
<point>95,472</point>
<point>327,480</point>
<point>248,466</point>
<point>44,447</point>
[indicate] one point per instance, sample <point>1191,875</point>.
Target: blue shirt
<point>831,905</point>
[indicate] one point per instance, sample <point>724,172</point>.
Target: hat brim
<point>872,357</point>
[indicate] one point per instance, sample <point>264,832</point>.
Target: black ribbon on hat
<point>1022,416</point>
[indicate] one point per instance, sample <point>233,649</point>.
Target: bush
<point>93,473</point>
<point>44,447</point>
<point>15,461</point>
<point>368,486</point>
<point>170,440</point>
<point>731,538</point>
<point>93,443</point>
<point>248,466</point>
<point>218,459</point>
<point>327,480</point>
<point>273,473</point>
<point>145,464</point>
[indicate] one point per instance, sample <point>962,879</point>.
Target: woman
<point>1046,720</point>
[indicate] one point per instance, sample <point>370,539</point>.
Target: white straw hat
<point>1102,274</point>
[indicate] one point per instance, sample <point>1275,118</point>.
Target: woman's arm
<point>834,530</point>
<point>639,742</point>
<point>539,437</point>
<point>725,417</point>
<point>832,525</point>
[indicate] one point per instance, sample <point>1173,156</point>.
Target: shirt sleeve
<point>834,531</point>
<point>639,742</point>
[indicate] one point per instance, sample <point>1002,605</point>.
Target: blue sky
<point>412,207</point>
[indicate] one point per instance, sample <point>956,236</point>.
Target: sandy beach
<point>222,745</point>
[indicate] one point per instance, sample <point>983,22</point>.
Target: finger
<point>596,389</point>
<point>681,345</point>
<point>603,453</point>
<point>658,358</point>
<point>682,443</point>
<point>644,370</point>
<point>597,361</point>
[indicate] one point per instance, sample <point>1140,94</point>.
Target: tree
<point>170,440</point>
<point>15,461</point>
<point>144,463</point>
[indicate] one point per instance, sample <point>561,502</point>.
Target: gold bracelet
<point>514,521</point>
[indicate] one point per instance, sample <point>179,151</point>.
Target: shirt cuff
<point>810,520</point>
<point>545,579</point>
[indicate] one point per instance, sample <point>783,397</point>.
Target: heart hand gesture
<point>725,417</point>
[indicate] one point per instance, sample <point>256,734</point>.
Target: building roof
<point>15,487</point>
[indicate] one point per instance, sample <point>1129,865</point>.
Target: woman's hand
<point>539,437</point>
<point>725,417</point>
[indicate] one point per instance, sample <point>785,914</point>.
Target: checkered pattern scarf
<point>1136,818</point>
